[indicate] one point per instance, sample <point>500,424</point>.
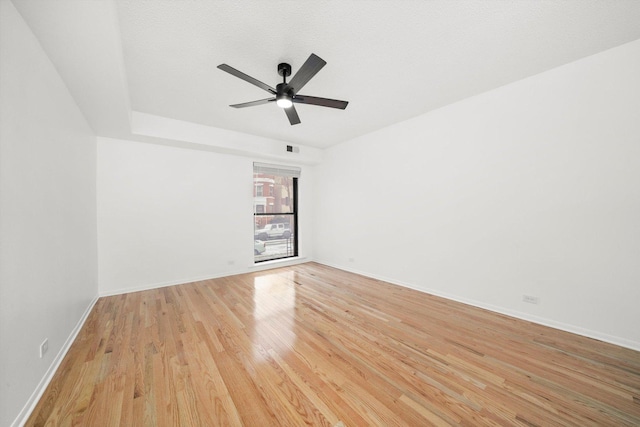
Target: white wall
<point>48,259</point>
<point>533,188</point>
<point>168,215</point>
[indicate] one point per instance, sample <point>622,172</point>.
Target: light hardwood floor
<point>312,345</point>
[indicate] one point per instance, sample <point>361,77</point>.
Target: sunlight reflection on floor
<point>274,301</point>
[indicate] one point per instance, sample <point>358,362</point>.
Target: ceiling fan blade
<point>252,103</point>
<point>310,68</point>
<point>246,78</point>
<point>323,102</point>
<point>292,114</point>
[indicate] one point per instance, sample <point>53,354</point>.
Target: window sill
<point>277,263</point>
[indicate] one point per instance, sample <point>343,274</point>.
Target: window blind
<point>269,169</point>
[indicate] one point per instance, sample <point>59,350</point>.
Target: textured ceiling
<point>392,60</point>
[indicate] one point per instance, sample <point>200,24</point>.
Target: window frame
<point>293,174</point>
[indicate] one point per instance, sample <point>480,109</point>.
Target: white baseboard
<point>267,265</point>
<point>622,342</point>
<point>157,285</point>
<point>28,408</point>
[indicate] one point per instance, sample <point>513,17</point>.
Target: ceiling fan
<point>286,94</point>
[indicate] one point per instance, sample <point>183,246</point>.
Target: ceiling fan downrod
<point>284,70</point>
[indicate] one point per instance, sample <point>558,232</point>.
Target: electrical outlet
<point>44,347</point>
<point>530,299</point>
<point>351,260</point>
<point>231,262</point>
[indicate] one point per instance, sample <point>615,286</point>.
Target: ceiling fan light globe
<point>284,102</point>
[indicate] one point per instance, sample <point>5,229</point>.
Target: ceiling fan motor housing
<point>283,89</point>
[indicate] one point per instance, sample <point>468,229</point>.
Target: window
<point>275,211</point>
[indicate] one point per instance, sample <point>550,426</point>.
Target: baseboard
<point>158,285</point>
<point>28,408</point>
<point>268,265</point>
<point>611,339</point>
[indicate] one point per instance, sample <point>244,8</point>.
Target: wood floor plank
<point>313,345</point>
